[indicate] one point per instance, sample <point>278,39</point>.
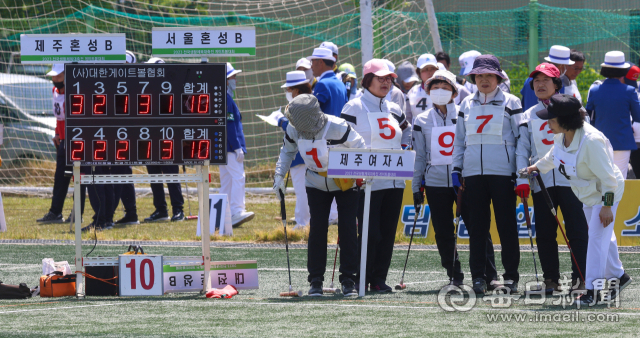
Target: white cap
<point>131,58</point>
<point>322,53</point>
<point>295,78</point>
<point>444,75</point>
<point>56,69</point>
<point>427,59</point>
<point>390,64</point>
<point>559,55</point>
<point>466,61</point>
<point>615,59</point>
<point>304,63</point>
<point>441,66</point>
<point>232,71</point>
<point>155,60</point>
<point>330,46</point>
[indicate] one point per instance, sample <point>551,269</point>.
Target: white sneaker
<point>243,217</point>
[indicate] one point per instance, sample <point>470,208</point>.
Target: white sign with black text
<point>219,213</point>
<point>203,41</point>
<point>376,163</point>
<point>66,48</point>
<point>241,274</point>
<point>140,275</point>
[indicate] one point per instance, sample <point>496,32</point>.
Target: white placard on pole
<point>241,274</point>
<point>140,275</point>
<point>369,164</point>
<point>203,41</point>
<point>66,48</point>
<point>219,213</point>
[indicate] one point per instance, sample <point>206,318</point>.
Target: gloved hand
<point>239,155</point>
<point>278,186</point>
<point>360,182</point>
<point>456,179</point>
<point>523,190</point>
<point>418,198</point>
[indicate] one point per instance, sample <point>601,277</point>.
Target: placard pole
<point>203,206</point>
<point>365,237</point>
<point>78,226</point>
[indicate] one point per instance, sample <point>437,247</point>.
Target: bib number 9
<point>314,154</point>
<point>444,144</point>
<point>383,123</point>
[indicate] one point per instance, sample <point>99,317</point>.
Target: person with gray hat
<point>312,132</point>
<point>407,77</point>
<point>484,154</point>
<point>585,156</point>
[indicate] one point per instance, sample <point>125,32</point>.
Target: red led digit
<point>122,104</point>
<point>193,100</point>
<point>144,104</point>
<point>166,149</point>
<point>122,150</point>
<point>99,150</point>
<point>144,150</point>
<point>193,149</point>
<point>166,104</point>
<point>77,150</point>
<point>99,104</point>
<point>77,104</point>
<point>203,149</point>
<point>203,104</point>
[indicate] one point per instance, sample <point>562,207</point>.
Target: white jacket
<point>594,163</point>
<point>356,116</point>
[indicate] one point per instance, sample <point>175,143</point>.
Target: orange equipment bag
<point>56,284</point>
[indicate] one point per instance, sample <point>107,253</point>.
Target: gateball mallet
<point>402,285</point>
<point>283,213</point>
<point>331,289</point>
<point>527,217</point>
<point>456,223</point>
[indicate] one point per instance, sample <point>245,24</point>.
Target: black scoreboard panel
<point>146,114</point>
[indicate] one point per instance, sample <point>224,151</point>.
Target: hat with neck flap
<point>305,115</point>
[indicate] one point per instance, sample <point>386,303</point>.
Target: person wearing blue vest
<point>611,106</point>
<point>559,56</point>
<point>330,91</point>
<point>297,83</point>
<point>232,177</point>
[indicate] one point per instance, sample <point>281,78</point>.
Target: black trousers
<point>61,183</point>
<point>441,200</point>
<point>384,212</point>
<point>575,223</point>
<point>101,197</point>
<point>175,191</point>
<point>481,191</point>
<point>126,192</point>
<point>319,208</point>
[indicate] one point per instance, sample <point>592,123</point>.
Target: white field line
<point>56,308</point>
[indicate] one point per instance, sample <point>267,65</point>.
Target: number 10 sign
<point>140,275</point>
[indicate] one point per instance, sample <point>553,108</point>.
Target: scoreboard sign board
<point>146,114</point>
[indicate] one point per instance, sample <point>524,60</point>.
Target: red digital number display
<point>122,150</point>
<point>144,104</point>
<point>77,150</point>
<point>77,104</point>
<point>195,103</point>
<point>144,150</point>
<point>166,149</point>
<point>195,149</point>
<point>99,104</point>
<point>122,104</point>
<point>166,104</point>
<point>99,150</point>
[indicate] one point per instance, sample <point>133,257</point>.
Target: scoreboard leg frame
<point>202,180</point>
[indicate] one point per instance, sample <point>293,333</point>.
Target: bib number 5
<point>383,123</point>
<point>486,119</point>
<point>314,154</point>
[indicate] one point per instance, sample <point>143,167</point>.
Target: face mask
<point>231,85</point>
<point>309,74</point>
<point>59,85</point>
<point>289,96</point>
<point>440,96</point>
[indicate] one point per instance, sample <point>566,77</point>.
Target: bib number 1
<point>383,123</point>
<point>314,154</point>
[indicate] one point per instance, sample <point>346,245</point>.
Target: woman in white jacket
<point>383,125</point>
<point>585,156</point>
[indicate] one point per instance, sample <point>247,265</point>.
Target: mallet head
<point>291,294</point>
<point>401,286</point>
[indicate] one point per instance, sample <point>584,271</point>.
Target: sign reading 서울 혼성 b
<point>203,41</point>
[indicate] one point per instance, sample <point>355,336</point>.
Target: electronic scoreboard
<point>145,114</point>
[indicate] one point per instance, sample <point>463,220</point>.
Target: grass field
<point>413,312</point>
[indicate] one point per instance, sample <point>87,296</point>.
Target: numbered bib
<point>566,164</point>
<point>442,145</point>
<point>385,131</point>
<point>542,136</point>
<point>419,102</point>
<point>315,153</point>
<point>485,121</point>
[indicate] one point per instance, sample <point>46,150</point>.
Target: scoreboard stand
<point>145,114</point>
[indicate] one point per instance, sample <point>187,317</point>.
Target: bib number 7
<point>314,154</point>
<point>383,123</point>
<point>486,119</point>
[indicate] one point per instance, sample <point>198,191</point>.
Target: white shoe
<point>242,217</point>
<point>299,227</point>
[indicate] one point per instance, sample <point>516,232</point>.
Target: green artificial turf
<point>413,312</point>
